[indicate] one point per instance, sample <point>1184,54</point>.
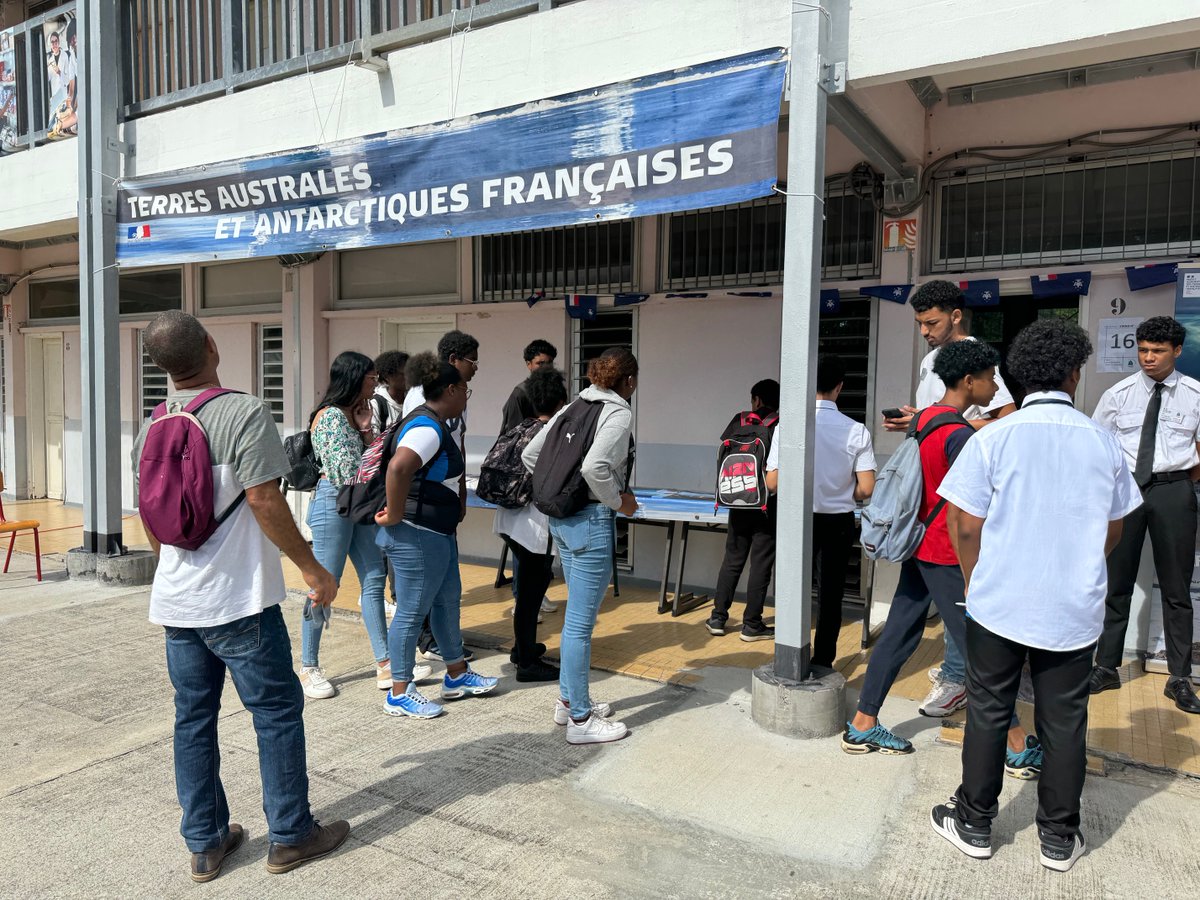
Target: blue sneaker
<point>468,683</point>
<point>874,740</point>
<point>411,703</point>
<point>1026,765</point>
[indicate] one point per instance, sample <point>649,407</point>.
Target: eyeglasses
<point>469,392</point>
<point>474,362</point>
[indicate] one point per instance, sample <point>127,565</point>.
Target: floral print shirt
<point>338,446</point>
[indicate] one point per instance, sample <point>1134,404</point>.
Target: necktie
<point>1143,471</point>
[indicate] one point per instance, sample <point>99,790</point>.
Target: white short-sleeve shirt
<point>1047,481</point>
<point>842,449</point>
<point>931,389</point>
<point>1122,411</point>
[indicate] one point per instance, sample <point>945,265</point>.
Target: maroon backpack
<point>175,480</point>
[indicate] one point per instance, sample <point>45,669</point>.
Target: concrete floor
<point>490,801</point>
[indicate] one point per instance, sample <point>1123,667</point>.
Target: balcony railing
<point>180,51</point>
<point>38,64</point>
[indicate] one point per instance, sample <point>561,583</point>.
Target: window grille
<point>742,243</point>
<point>583,259</point>
<point>270,368</point>
<point>1127,204</point>
<point>152,382</point>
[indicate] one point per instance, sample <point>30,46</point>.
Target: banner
<point>686,139</point>
<point>62,76</point>
<point>8,94</point>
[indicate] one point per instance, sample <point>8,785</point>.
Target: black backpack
<point>383,409</point>
<point>503,478</point>
<point>558,486</point>
<point>305,469</point>
<point>742,460</point>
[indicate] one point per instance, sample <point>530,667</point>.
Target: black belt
<point>1169,477</point>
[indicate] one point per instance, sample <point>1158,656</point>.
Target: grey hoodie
<point>607,459</point>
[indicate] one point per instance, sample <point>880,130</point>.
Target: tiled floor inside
<point>1136,723</point>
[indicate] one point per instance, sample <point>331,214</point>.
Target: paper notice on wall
<point>1117,345</point>
<point>1190,284</point>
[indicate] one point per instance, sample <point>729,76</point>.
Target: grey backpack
<point>891,525</point>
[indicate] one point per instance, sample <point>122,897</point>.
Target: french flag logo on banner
<point>581,306</point>
<point>139,231</point>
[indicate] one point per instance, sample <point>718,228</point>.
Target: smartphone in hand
<point>893,413</point>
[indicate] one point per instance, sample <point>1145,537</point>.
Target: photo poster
<point>60,37</point>
<point>9,127</point>
<point>1187,313</point>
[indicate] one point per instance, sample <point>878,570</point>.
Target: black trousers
<point>1168,513</point>
<point>533,572</point>
<point>751,537</point>
<point>1060,689</point>
<point>833,534</point>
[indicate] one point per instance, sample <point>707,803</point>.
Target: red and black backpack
<point>742,460</point>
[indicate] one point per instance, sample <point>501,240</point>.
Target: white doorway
<point>416,336</point>
<point>44,366</point>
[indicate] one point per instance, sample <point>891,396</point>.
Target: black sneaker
<point>758,633</point>
<point>715,626</point>
<point>973,840</point>
<point>539,671</point>
<point>539,650</point>
<point>1103,679</point>
<point>1059,853</point>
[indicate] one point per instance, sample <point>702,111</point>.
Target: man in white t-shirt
<point>219,606</point>
<point>843,474</point>
<point>939,308</point>
<point>1035,506</point>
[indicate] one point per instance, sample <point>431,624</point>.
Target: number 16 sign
<point>1117,345</point>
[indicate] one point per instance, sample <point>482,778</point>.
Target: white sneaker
<point>389,610</point>
<point>595,730</point>
<point>548,607</point>
<point>383,677</point>
<point>513,612</point>
<point>562,711</point>
<point>935,674</point>
<point>421,671</point>
<point>315,684</point>
<point>945,698</point>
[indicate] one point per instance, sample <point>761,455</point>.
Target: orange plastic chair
<point>13,528</point>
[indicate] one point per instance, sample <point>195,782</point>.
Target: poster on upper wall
<point>62,75</point>
<point>701,136</point>
<point>8,93</point>
<point>1187,312</point>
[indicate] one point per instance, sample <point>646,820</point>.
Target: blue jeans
<point>585,546</point>
<point>427,584</point>
<point>954,667</point>
<point>335,538</point>
<point>258,654</point>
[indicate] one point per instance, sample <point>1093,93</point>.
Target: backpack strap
<point>939,421</point>
<point>207,397</point>
<point>383,411</point>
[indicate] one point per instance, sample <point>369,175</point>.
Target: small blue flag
<point>629,299</point>
<point>984,292</point>
<point>750,294</point>
<point>581,306</point>
<point>897,293</point>
<point>831,301</point>
<point>1060,284</point>
<point>692,296</point>
<point>1151,275</point>
<point>535,297</point>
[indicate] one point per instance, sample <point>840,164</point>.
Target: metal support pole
<point>99,167</point>
<point>817,37</point>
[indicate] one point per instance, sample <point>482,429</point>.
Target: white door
<point>52,378</point>
<point>415,337</point>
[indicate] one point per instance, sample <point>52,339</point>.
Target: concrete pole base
<point>809,709</point>
<point>134,569</point>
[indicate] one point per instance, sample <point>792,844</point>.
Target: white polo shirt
<point>1047,481</point>
<point>1122,410</point>
<point>931,389</point>
<point>842,448</point>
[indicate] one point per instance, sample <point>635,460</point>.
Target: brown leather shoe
<point>207,865</point>
<point>322,840</point>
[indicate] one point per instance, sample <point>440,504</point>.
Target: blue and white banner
<point>686,139</point>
